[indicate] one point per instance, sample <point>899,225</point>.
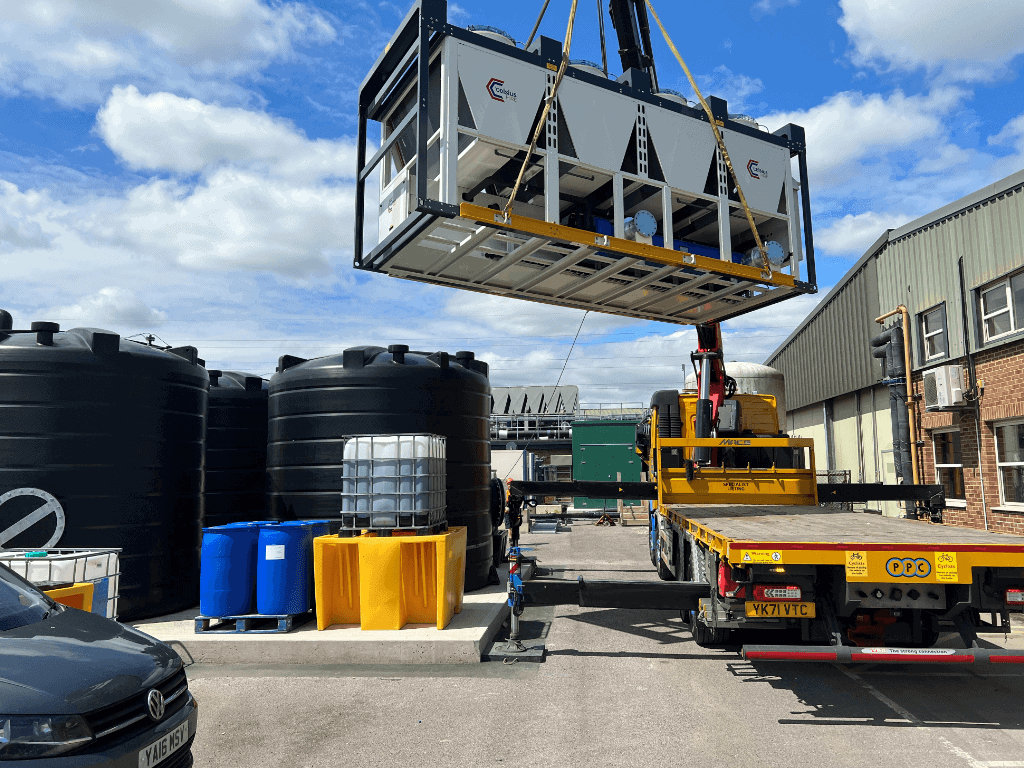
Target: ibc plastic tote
<point>227,570</point>
<point>283,568</point>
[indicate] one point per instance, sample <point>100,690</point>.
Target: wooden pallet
<point>634,516</point>
<point>253,623</point>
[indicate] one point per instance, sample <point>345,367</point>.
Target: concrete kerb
<point>463,641</point>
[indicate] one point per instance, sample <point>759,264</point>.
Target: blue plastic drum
<point>227,574</point>
<point>284,568</point>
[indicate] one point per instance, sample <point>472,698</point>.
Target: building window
<point>934,342</point>
<point>949,467</point>
<point>1002,307</point>
<point>1010,462</point>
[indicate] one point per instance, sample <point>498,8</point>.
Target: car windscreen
<point>21,603</point>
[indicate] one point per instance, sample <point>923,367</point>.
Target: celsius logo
<point>755,171</point>
<point>498,91</point>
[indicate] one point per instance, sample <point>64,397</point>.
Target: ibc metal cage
<point>456,109</point>
<point>393,481</point>
<point>52,568</point>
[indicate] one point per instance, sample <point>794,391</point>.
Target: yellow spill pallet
<point>76,596</point>
<point>388,582</point>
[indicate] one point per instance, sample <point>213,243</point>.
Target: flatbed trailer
<point>865,587</point>
<point>749,556</point>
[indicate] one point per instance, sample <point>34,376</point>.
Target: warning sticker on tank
<point>945,566</point>
<point>761,557</point>
<point>275,552</point>
<point>856,566</point>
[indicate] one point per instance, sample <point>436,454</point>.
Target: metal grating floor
<point>553,264</point>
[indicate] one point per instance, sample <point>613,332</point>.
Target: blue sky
<point>184,167</point>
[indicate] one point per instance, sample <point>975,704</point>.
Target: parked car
<point>78,689</point>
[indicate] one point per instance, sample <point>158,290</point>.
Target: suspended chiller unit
<point>617,167</point>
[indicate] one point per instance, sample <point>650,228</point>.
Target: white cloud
<point>109,306</point>
<point>765,7</point>
<point>962,41</point>
<point>852,234</point>
<point>236,220</point>
<point>851,126</point>
<point>75,50</point>
<point>725,84</point>
<point>1011,135</point>
<point>165,132</point>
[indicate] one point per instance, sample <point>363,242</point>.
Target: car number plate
<point>770,610</point>
<point>160,750</point>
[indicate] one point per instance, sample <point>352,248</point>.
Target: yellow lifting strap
<point>718,138</point>
<point>547,108</point>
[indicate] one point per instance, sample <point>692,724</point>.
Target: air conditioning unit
<point>943,387</point>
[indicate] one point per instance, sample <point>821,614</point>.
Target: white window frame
<point>1016,323</point>
<point>1000,463</point>
<point>926,335</point>
<point>960,466</point>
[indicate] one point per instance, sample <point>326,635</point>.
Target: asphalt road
<point>618,688</point>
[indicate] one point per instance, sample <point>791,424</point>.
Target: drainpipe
<point>973,381</point>
<point>911,409</point>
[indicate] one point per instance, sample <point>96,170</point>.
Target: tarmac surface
<point>618,688</point>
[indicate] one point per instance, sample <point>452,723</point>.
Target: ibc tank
<point>314,404</point>
<point>236,448</point>
<point>113,430</point>
<point>754,379</point>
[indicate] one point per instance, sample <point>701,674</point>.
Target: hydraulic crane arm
<point>629,17</point>
<point>710,383</point>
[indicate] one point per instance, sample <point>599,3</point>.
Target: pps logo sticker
<point>755,171</point>
<point>908,567</point>
<point>496,88</point>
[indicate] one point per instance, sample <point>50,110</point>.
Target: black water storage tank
<point>370,390</point>
<point>113,430</point>
<point>236,448</point>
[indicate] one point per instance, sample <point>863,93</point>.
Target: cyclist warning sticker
<point>762,557</point>
<point>945,566</point>
<point>856,566</point>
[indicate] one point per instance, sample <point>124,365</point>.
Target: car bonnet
<point>74,662</point>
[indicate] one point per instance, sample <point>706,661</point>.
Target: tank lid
<point>214,376</point>
<point>44,332</point>
<point>253,384</point>
<point>398,352</point>
<point>6,320</point>
<point>463,356</point>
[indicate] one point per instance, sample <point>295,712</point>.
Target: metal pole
<point>526,45</point>
<point>604,55</point>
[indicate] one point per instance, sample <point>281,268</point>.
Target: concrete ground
<point>618,688</point>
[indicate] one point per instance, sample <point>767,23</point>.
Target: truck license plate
<point>769,610</point>
<point>158,751</point>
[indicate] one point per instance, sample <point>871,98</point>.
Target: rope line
<point>544,114</point>
<point>767,273</point>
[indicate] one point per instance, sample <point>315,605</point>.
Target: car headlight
<point>38,736</point>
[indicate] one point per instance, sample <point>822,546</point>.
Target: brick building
<point>963,261</point>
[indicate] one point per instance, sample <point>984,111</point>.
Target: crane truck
<point>513,171</point>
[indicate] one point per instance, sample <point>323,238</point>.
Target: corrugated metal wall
<point>832,354</point>
<point>916,265</point>
<point>988,235</point>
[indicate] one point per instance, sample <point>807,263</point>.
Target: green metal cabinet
<point>601,450</point>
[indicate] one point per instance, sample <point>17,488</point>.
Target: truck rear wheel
<point>708,637</point>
